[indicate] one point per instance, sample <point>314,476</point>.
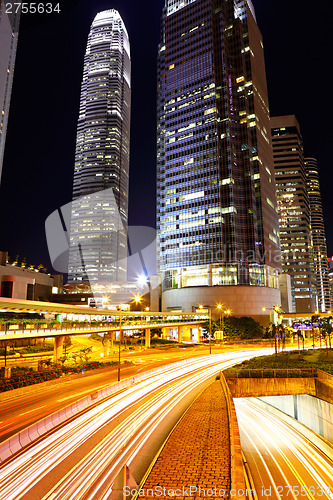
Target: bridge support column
<point>108,343</point>
<point>58,348</point>
<point>187,337</point>
<point>147,338</point>
<point>165,333</point>
<point>180,334</point>
<point>196,334</point>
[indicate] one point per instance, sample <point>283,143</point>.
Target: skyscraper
<point>98,244</point>
<point>318,235</point>
<point>9,25</point>
<point>218,234</point>
<point>294,210</point>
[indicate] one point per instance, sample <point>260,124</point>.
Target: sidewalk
<point>195,460</point>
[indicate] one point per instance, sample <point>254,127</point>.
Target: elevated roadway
<point>188,325</point>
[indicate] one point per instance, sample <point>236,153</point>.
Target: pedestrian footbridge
<point>60,320</point>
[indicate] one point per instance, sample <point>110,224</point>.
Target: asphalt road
<point>19,412</point>
<point>83,457</point>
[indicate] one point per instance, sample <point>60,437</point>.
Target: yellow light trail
<point>148,401</point>
<point>280,457</point>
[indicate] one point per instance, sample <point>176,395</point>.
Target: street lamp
<point>137,299</point>
<point>210,325</point>
<point>273,309</point>
<point>219,307</point>
<point>120,320</point>
<point>222,314</point>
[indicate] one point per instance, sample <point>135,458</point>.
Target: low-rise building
<point>18,282</point>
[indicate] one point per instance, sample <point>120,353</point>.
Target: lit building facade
<point>294,210</point>
<point>218,232</point>
<point>9,26</point>
<point>98,241</point>
<point>330,274</point>
<point>318,235</point>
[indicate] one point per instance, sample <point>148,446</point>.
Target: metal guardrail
<point>271,373</point>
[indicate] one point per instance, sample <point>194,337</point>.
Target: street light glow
<point>142,280</point>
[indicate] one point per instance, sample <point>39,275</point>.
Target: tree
<point>156,332</point>
<point>325,328</point>
<point>243,328</point>
<point>83,353</point>
<point>214,326</point>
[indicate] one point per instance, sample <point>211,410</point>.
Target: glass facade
<point>9,26</point>
<point>294,210</point>
<point>98,242</point>
<point>216,202</point>
<point>318,235</point>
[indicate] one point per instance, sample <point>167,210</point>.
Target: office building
<point>98,244</point>
<point>294,210</point>
<point>218,232</point>
<point>9,26</point>
<point>330,274</point>
<point>318,235</point>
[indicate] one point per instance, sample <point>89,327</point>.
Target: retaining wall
<point>255,387</point>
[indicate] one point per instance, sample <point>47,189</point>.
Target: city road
<point>18,412</point>
<point>282,462</point>
<point>82,459</point>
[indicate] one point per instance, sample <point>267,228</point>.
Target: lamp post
<point>120,320</point>
<point>219,307</point>
<point>210,326</point>
<point>137,300</point>
<point>272,322</point>
<point>222,315</point>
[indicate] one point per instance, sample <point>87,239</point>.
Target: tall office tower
<point>98,242</point>
<point>9,26</point>
<point>218,233</point>
<point>318,235</point>
<point>330,274</point>
<point>294,210</point>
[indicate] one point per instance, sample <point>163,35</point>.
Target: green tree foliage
<point>214,327</point>
<point>243,328</point>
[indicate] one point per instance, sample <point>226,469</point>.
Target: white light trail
<point>157,395</point>
<point>289,462</point>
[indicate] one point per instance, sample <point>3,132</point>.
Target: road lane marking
<point>77,394</point>
<point>34,409</point>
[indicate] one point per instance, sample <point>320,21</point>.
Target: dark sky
<point>39,158</point>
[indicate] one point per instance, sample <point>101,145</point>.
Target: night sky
<point>39,157</point>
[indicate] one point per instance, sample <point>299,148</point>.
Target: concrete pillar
<point>155,293</point>
<point>187,334</point>
<point>210,275</point>
<point>180,336</point>
<point>147,338</point>
<point>196,334</point>
<point>58,348</point>
<point>108,343</point>
<point>165,333</point>
<point>6,371</point>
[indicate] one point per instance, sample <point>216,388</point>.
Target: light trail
<point>281,460</point>
<point>145,404</point>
